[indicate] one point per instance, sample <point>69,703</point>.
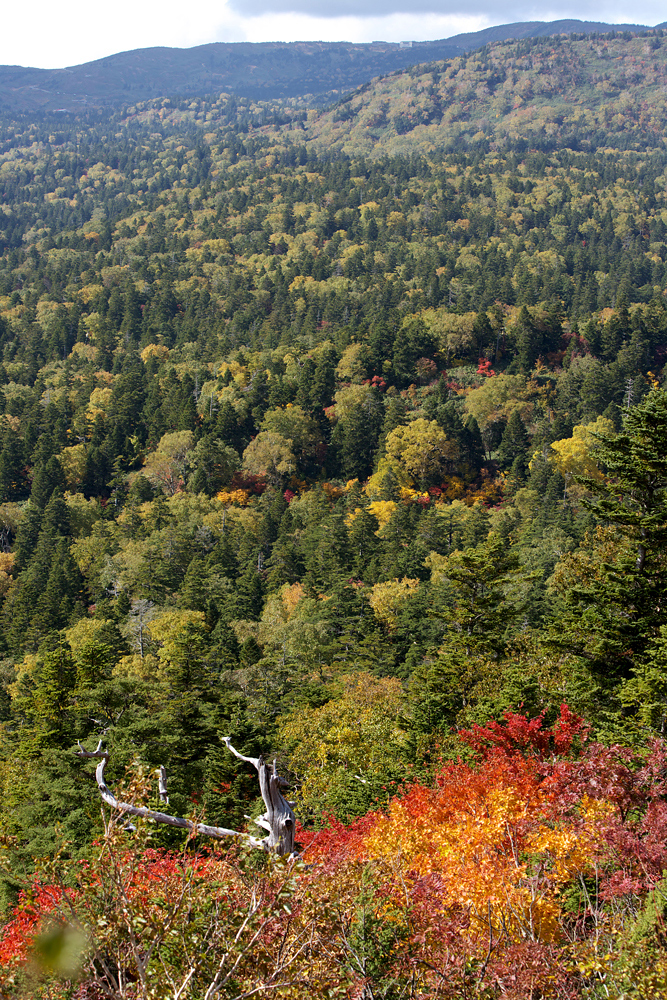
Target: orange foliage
<point>483,862</point>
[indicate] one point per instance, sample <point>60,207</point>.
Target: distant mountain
<point>265,70</point>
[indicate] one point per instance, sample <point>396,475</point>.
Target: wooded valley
<point>341,435</point>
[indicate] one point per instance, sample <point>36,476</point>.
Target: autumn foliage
<point>517,873</point>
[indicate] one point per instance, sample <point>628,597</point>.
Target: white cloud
<point>294,26</point>
<point>76,31</point>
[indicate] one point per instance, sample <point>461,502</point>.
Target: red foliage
<point>520,735</point>
<point>453,867</point>
<point>248,481</point>
<point>18,935</point>
<point>377,382</point>
<point>484,368</point>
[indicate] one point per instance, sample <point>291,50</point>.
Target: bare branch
<point>255,761</point>
<point>216,832</point>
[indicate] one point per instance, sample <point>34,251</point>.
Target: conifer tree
<point>529,342</point>
<point>611,619</point>
<point>12,468</point>
<point>47,478</point>
<point>514,444</point>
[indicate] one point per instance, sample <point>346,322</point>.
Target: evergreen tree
<point>514,445</point>
<point>46,478</point>
<point>529,340</point>
<point>612,618</point>
<point>13,485</point>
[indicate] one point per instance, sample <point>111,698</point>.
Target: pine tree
<point>645,692</point>
<point>193,593</point>
<point>46,478</point>
<point>357,437</point>
<point>13,484</point>
<point>249,592</point>
<point>27,534</point>
<point>476,608</point>
<point>364,543</point>
<point>324,381</point>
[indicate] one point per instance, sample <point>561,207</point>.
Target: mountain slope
<point>264,70</point>
<point>540,91</point>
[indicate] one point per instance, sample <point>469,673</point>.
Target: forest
<point>343,435</point>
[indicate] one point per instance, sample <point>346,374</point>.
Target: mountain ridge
<point>261,70</point>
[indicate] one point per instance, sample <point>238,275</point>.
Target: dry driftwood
<point>278,820</point>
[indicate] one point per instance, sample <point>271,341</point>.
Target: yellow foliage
<point>395,219</point>
<point>349,397</point>
<point>26,668</point>
<point>144,668</point>
<point>570,849</point>
<point>575,456</point>
<point>421,449</point>
<point>497,397</point>
<point>165,466</point>
<point>291,595</point>
<point>356,733</point>
<point>85,351</point>
<point>383,510</point>
<point>386,599</point>
<point>170,625</point>
<point>351,517</point>
<point>99,400</point>
<point>84,632</point>
<point>73,464</point>
<point>584,566</point>
<point>409,495</point>
<point>83,513</point>
<point>237,497</point>
<point>6,566</point>
<point>453,332</point>
<point>158,351</point>
<point>385,465</point>
<point>351,367</point>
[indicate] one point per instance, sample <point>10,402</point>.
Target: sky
<point>50,34</point>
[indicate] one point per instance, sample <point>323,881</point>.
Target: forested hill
<point>336,453</point>
<point>578,92</point>
<point>266,70</point>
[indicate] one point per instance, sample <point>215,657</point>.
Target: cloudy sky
<point>54,34</point>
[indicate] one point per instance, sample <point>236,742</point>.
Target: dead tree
<point>278,820</point>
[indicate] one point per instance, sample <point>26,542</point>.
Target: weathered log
<point>278,821</point>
